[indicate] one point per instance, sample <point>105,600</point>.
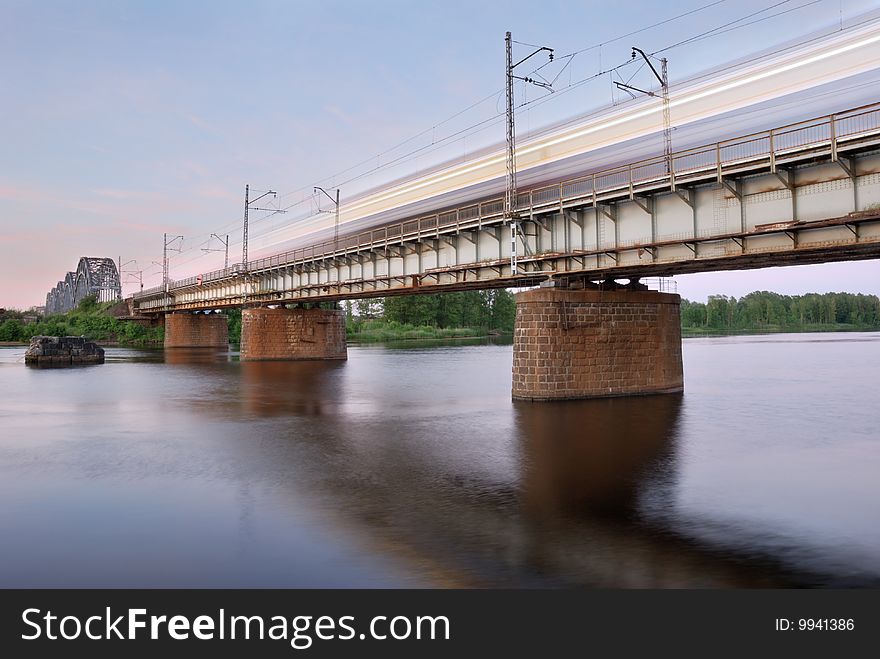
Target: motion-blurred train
<point>821,75</point>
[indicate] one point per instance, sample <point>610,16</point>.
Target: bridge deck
<point>664,217</point>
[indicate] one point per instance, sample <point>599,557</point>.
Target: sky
<point>123,120</point>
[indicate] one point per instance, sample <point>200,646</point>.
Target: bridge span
<point>801,193</point>
<point>97,276</point>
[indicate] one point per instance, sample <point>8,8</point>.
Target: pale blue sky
<point>121,120</point>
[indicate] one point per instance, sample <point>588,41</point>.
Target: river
<point>411,467</point>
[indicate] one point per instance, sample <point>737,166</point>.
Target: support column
<point>196,330</point>
<point>591,343</point>
<point>292,334</point>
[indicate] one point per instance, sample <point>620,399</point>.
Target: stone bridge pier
<point>292,334</point>
<point>196,330</point>
<point>595,343</point>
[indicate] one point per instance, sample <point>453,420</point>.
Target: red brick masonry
<point>196,330</point>
<point>293,334</point>
<point>589,344</point>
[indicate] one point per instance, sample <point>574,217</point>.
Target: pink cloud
<point>216,192</point>
<point>18,192</point>
<point>120,194</point>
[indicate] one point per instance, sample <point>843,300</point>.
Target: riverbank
<point>91,320</point>
<point>379,331</point>
<point>414,334</point>
<point>691,332</point>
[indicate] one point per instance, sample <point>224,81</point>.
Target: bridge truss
<point>93,276</point>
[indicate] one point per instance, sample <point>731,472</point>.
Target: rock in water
<point>62,351</point>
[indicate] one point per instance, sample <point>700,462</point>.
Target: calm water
<point>412,467</point>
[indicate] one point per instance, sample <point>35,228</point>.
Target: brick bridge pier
<point>266,334</point>
<point>292,334</point>
<point>596,343</point>
<point>568,343</point>
<point>196,330</point>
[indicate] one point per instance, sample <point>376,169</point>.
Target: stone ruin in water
<point>62,351</point>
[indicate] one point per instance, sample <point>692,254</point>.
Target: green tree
<point>414,310</point>
<point>233,321</point>
<point>88,304</point>
<point>719,311</point>
<point>12,330</point>
<point>693,314</point>
<point>503,310</point>
<point>481,310</point>
<point>765,309</point>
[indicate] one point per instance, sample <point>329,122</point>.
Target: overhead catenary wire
<point>486,123</point>
<point>443,141</point>
<point>478,125</point>
<point>692,79</point>
<point>494,94</point>
<point>466,109</point>
<point>732,25</point>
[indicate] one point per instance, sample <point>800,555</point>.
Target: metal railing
<point>662,284</point>
<point>768,148</point>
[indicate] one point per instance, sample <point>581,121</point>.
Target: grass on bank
<point>373,331</point>
<point>777,329</point>
<point>377,330</point>
<point>90,320</point>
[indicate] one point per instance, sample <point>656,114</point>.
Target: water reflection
<point>554,503</point>
<point>414,467</point>
<point>586,465</point>
<point>593,456</point>
<point>184,356</point>
<point>300,388</point>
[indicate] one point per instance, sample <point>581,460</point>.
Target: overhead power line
<point>494,94</point>
<point>491,121</point>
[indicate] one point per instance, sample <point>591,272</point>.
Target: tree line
<point>440,315</point>
<point>767,310</point>
<point>488,310</point>
<point>473,313</point>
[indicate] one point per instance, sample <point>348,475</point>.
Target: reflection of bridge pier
<point>593,456</point>
<point>210,357</point>
<point>285,387</point>
<point>555,503</point>
<point>586,464</point>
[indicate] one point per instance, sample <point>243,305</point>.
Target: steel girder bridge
<point>807,192</point>
<point>93,276</point>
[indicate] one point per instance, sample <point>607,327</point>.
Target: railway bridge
<point>94,276</point>
<point>801,193</point>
